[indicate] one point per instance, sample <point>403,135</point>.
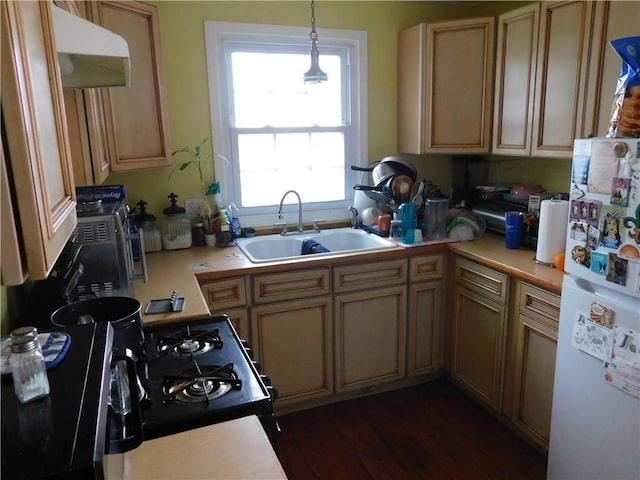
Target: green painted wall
<point>182,38</point>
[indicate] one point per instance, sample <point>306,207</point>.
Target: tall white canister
<point>552,229</point>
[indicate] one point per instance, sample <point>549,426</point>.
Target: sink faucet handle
<point>316,224</point>
<point>284,227</point>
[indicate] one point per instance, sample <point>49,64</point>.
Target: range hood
<point>89,55</point>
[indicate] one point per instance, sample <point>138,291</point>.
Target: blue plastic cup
<point>514,227</point>
<point>409,220</point>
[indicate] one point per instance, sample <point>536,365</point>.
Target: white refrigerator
<point>595,418</point>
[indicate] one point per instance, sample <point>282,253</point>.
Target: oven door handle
<point>129,436</point>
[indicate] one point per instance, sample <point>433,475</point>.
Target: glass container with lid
<point>175,226</point>
<point>28,369</point>
<point>151,230</point>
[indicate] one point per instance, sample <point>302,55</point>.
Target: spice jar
<point>197,234</point>
<point>28,369</point>
<point>27,331</point>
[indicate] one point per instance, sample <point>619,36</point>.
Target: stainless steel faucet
<point>280,215</point>
<point>354,216</point>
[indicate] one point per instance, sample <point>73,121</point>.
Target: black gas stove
<point>200,373</point>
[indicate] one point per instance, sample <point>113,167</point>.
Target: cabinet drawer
<point>362,276</point>
<point>290,286</point>
<point>482,280</point>
<point>427,267</point>
<point>224,294</point>
<point>539,304</point>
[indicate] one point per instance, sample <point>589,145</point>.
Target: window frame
<point>356,140</point>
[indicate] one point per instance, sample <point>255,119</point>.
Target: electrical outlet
<point>193,207</point>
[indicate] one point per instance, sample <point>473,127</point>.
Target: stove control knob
<point>273,393</point>
<point>257,365</point>
<point>247,347</point>
<point>266,380</point>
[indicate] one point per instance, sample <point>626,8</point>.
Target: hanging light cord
<point>315,73</point>
<point>313,35</point>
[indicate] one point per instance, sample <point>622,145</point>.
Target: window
<point>274,133</point>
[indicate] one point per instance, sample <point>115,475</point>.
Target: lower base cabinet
<point>423,335</point>
<point>534,362</point>
<point>370,337</point>
<point>478,345</point>
<point>294,343</point>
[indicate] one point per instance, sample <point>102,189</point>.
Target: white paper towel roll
<point>552,229</point>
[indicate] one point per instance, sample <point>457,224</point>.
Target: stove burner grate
<point>190,343</point>
<point>201,384</point>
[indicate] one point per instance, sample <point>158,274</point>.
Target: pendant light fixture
<point>315,73</point>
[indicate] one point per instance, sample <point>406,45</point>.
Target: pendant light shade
<point>315,73</point>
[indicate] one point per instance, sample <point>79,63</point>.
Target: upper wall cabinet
<point>516,50</point>
<point>136,116</point>
<point>556,74</point>
<point>35,129</point>
<point>613,20</point>
<point>445,87</point>
<point>561,77</point>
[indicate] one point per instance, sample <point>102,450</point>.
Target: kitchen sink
<point>270,248</point>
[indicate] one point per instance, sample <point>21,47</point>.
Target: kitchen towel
<point>310,246</point>
<point>552,229</point>
<point>54,348</point>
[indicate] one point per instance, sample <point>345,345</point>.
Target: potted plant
<point>194,159</point>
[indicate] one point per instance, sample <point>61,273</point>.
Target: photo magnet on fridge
<point>617,272</point>
<point>599,263</point>
<point>610,226</point>
<point>620,191</point>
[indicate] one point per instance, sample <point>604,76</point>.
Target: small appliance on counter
<point>108,245</point>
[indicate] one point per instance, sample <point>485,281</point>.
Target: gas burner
<point>201,384</point>
<point>191,343</point>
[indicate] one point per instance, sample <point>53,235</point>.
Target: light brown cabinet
<point>548,59</point>
<point>137,125</point>
<point>614,19</point>
<point>370,337</point>
<point>229,297</point>
<point>445,86</point>
<point>293,341</point>
<point>536,336</point>
<point>287,318</point>
<point>370,323</point>
<point>424,314</point>
<point>292,332</point>
<point>561,77</point>
<point>480,311</point>
<point>87,136</point>
<point>516,49</point>
<point>36,134</point>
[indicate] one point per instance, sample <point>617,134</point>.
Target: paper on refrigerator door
<point>623,369</point>
<point>592,337</point>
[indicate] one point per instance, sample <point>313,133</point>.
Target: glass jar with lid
<point>28,369</point>
<point>151,230</point>
<point>175,227</point>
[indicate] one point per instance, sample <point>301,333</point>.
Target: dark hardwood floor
<point>431,431</point>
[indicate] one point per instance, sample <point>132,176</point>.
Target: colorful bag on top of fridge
<point>625,112</point>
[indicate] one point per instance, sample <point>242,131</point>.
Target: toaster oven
<point>109,244</point>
